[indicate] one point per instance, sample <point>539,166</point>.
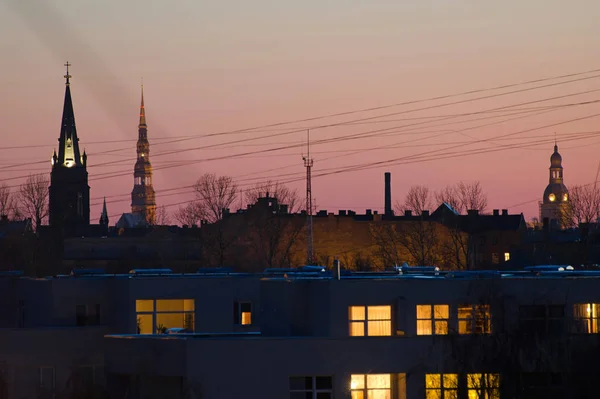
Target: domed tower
<point>555,203</point>
<point>143,200</point>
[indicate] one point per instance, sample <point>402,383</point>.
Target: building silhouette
<point>555,203</point>
<point>69,191</point>
<point>143,200</point>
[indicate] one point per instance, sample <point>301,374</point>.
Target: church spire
<point>68,143</point>
<point>104,214</point>
<point>142,111</point>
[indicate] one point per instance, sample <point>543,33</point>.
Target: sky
<point>260,72</point>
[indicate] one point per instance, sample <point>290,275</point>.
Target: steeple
<point>143,197</point>
<point>142,112</point>
<point>68,143</point>
<point>555,202</point>
<point>69,193</point>
<point>104,214</point>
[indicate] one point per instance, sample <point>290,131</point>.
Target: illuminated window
<point>506,256</point>
<point>474,319</point>
<point>319,387</point>
<point>441,386</point>
<point>242,313</point>
<point>155,316</point>
<point>432,319</point>
<point>370,321</point>
<point>552,197</point>
<point>586,318</point>
<point>483,386</point>
<point>370,386</point>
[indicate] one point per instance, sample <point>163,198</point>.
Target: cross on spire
<point>67,76</point>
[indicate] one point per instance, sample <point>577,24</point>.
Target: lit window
<point>157,316</point>
<point>370,386</point>
<point>483,386</point>
<point>371,321</point>
<point>474,319</point>
<point>552,197</point>
<point>319,387</point>
<point>506,256</point>
<point>441,386</point>
<point>242,313</point>
<point>432,319</point>
<point>586,318</point>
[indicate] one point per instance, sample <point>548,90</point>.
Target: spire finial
<point>67,76</point>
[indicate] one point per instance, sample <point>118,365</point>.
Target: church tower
<point>555,204</point>
<point>142,197</point>
<point>69,191</point>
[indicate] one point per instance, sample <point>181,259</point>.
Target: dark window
<point>242,313</point>
<point>320,387</point>
<point>21,312</point>
<point>81,315</point>
<point>87,315</point>
<point>542,320</point>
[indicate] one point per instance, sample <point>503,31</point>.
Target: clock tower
<point>555,204</point>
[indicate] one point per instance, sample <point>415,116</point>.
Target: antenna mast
<point>308,163</point>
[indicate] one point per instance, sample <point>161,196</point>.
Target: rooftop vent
<point>549,268</point>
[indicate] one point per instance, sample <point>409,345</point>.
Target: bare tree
<point>584,205</point>
<point>33,198</point>
<point>191,214</point>
<point>162,217</point>
<point>213,194</point>
<point>282,193</point>
<point>8,203</point>
<point>418,199</point>
<point>463,197</point>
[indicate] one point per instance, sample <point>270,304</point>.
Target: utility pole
<point>308,164</point>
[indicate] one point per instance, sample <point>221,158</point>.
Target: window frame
<point>442,389</point>
<point>475,319</point>
<point>488,391</point>
<point>366,320</point>
<point>238,313</point>
<point>433,320</point>
<point>365,389</point>
<point>154,312</point>
<point>313,390</point>
<point>592,321</point>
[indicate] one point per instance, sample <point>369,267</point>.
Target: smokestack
<point>388,194</point>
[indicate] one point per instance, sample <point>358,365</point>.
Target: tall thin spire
<point>104,214</point>
<point>68,143</point>
<point>142,110</point>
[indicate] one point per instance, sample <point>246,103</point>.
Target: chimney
<point>342,212</point>
<point>369,211</point>
<point>408,212</point>
<point>504,212</point>
<point>496,212</point>
<point>473,212</point>
<point>425,213</point>
<point>336,269</point>
<point>388,194</point>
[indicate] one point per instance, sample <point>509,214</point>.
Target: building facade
<point>143,201</point>
<point>69,192</point>
<point>555,203</point>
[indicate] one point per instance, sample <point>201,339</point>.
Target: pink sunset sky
<point>224,66</point>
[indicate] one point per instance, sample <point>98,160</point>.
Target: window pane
<point>188,305</point>
<point>357,381</point>
<point>300,383</point>
<point>379,328</point>
<point>357,312</point>
<point>379,394</point>
<point>357,329</point>
<point>144,305</point>
<point>442,312</point>
<point>433,381</point>
<point>324,395</point>
<point>170,320</point>
<point>464,327</point>
<point>423,327</point>
<point>423,311</point>
<point>246,318</point>
<point>451,394</point>
<point>450,381</point>
<point>379,312</point>
<point>246,307</point>
<point>145,324</point>
<point>378,381</point>
<point>474,380</point>
<point>300,395</point>
<point>433,394</point>
<point>324,383</point>
<point>441,327</point>
<point>169,305</point>
<point>465,311</point>
<point>358,395</point>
